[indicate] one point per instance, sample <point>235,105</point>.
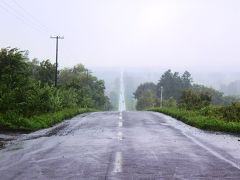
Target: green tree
<point>142,88</point>
<point>146,100</point>
<point>173,84</point>
<point>90,91</point>
<point>26,88</point>
<point>14,68</point>
<point>46,72</point>
<point>14,78</point>
<point>146,96</point>
<point>186,80</point>
<point>217,97</point>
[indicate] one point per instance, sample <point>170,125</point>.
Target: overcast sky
<point>185,34</point>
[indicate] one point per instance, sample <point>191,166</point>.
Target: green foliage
<point>192,100</point>
<point>14,77</point>
<point>212,111</point>
<point>171,102</point>
<point>146,100</point>
<point>88,89</point>
<point>228,100</point>
<point>68,97</point>
<point>43,71</point>
<point>142,88</point>
<point>14,121</point>
<point>173,84</point>
<point>26,88</point>
<point>231,112</point>
<point>216,96</point>
<point>146,96</point>
<point>198,120</point>
<point>180,89</point>
<point>14,69</point>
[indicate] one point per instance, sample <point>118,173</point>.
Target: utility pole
<point>161,97</point>
<point>56,68</point>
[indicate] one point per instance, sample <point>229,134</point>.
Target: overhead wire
<point>21,17</point>
<point>28,14</point>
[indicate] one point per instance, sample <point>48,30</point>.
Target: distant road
<point>122,103</point>
<point>127,145</point>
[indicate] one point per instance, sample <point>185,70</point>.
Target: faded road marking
<point>120,136</point>
<point>118,162</point>
<point>120,117</point>
<point>120,124</point>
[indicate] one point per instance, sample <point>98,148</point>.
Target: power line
<point>23,16</point>
<point>13,11</point>
<point>56,67</point>
<point>33,18</point>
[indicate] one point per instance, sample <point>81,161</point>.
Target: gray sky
<point>183,34</point>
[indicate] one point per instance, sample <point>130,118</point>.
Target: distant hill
<point>232,88</point>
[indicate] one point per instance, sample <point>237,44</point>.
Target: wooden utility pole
<point>56,67</point>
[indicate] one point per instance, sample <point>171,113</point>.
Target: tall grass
<point>40,121</point>
<point>195,119</point>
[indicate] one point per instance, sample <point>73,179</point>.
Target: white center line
<point>120,136</point>
<point>120,117</point>
<point>120,124</point>
<point>118,162</point>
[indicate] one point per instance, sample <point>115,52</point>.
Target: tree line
<point>179,90</point>
<point>27,86</point>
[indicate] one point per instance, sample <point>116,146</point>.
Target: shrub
<point>171,102</point>
<point>191,100</point>
<point>232,112</point>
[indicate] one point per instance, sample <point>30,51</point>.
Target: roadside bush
<point>213,111</point>
<point>191,100</point>
<point>68,97</point>
<point>232,112</point>
<point>194,118</point>
<point>27,90</point>
<point>171,102</point>
<point>229,113</point>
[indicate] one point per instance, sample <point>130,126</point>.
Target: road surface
<point>122,104</point>
<point>121,145</point>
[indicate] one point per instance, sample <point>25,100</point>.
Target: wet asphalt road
<point>113,145</point>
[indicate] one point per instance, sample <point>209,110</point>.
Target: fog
<point>144,36</point>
